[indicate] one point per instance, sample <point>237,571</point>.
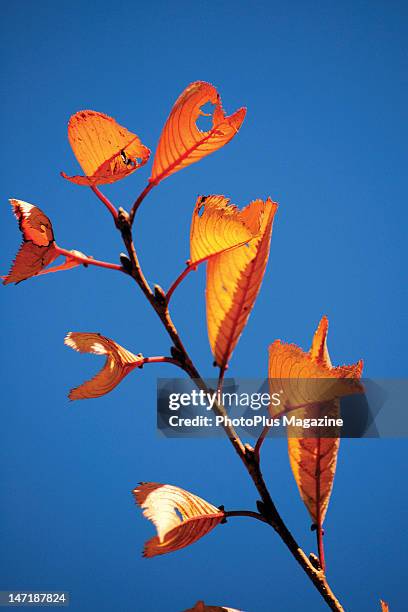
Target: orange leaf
<point>217,226</point>
<point>180,517</point>
<point>106,151</point>
<point>384,606</point>
<point>181,142</point>
<point>313,459</point>
<point>38,248</point>
<point>234,279</point>
<point>119,362</point>
<point>201,607</point>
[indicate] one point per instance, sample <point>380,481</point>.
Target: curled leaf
<point>310,380</point>
<point>180,517</point>
<point>181,142</point>
<point>38,248</point>
<point>201,607</point>
<point>217,226</point>
<point>106,151</point>
<point>234,278</point>
<point>119,362</point>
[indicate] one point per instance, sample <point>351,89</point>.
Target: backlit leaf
<point>106,151</point>
<point>217,226</point>
<point>181,142</point>
<point>234,279</point>
<point>201,607</point>
<point>38,248</point>
<point>119,362</point>
<point>180,517</point>
<point>313,459</point>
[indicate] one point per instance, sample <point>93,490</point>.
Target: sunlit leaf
<point>119,362</point>
<point>180,517</point>
<point>234,279</point>
<point>182,142</point>
<point>313,459</point>
<point>201,607</point>
<point>217,226</point>
<point>38,248</point>
<point>106,151</point>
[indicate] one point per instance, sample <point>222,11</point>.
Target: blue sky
<point>325,84</point>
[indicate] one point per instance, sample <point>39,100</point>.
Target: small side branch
<point>88,261</point>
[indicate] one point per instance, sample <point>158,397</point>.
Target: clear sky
<point>326,136</point>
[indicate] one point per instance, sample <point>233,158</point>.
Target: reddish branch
<point>88,261</point>
<point>267,509</point>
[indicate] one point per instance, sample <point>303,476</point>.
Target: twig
<point>162,360</point>
<point>246,453</point>
<point>250,513</point>
<point>88,261</point>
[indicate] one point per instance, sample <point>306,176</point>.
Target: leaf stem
<point>139,200</point>
<point>260,441</point>
<point>88,260</point>
<point>320,546</point>
<point>250,513</point>
<point>105,201</point>
<point>179,279</point>
<point>161,360</point>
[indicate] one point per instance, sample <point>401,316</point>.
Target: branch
<point>267,508</point>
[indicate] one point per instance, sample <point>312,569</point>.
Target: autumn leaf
<point>313,459</point>
<point>180,517</point>
<point>181,142</point>
<point>201,607</point>
<point>106,151</point>
<point>384,606</point>
<point>38,248</point>
<point>217,226</point>
<point>119,363</point>
<point>234,279</point>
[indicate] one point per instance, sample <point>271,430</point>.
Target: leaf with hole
<point>182,142</point>
<point>106,151</point>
